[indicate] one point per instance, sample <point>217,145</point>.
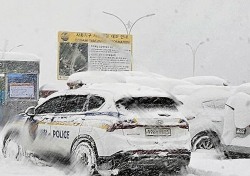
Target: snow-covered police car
<point>115,125</point>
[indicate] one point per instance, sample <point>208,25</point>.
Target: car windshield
<point>214,104</point>
<point>133,103</point>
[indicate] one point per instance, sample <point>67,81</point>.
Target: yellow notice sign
<point>93,52</point>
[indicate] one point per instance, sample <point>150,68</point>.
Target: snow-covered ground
<point>212,163</point>
<point>203,163</point>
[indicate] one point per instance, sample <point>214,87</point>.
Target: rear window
<point>131,103</point>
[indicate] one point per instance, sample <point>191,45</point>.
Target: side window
<point>95,102</point>
<point>53,105</point>
<point>74,103</point>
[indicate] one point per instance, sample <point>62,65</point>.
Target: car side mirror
<point>30,111</point>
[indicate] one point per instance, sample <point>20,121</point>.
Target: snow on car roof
<point>206,80</point>
<point>143,78</point>
<point>134,90</point>
<point>109,76</point>
<point>91,77</point>
<point>117,91</point>
<point>53,86</point>
<point>164,83</point>
<point>13,56</point>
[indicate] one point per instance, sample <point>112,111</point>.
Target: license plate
<point>158,132</point>
<point>241,130</point>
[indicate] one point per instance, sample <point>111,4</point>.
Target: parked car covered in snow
<point>236,131</point>
<point>135,77</point>
<point>203,106</point>
<point>203,97</point>
<point>115,125</point>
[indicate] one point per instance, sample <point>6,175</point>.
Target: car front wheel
<point>84,157</point>
<point>11,146</point>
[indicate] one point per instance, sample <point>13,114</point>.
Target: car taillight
<point>122,125</point>
<point>183,124</point>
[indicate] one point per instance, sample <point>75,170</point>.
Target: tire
<point>11,146</point>
<point>83,157</point>
<point>205,140</point>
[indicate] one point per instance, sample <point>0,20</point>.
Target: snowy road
<point>210,163</point>
<point>203,163</point>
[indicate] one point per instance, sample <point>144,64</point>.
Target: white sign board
<point>21,90</point>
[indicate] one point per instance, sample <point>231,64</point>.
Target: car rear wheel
<point>84,157</point>
<point>205,140</point>
<point>11,146</point>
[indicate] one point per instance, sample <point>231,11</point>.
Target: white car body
<point>112,130</point>
<point>203,106</point>
<point>193,92</point>
<point>207,104</point>
<point>236,131</point>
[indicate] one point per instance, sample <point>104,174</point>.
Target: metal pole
<point>15,47</point>
<point>140,19</point>
<point>194,51</point>
<point>128,30</point>
<point>118,19</point>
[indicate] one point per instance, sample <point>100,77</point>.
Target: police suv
<point>115,125</point>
